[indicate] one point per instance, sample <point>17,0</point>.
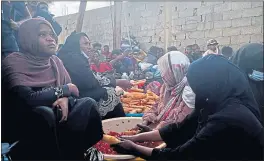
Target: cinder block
<point>241,22</point>
<point>229,15</point>
<point>223,40</point>
<point>222,24</point>
<point>189,27</point>
<point>257,20</point>
<point>201,42</point>
<point>256,38</point>
<point>239,39</point>
<point>223,7</point>
<point>186,42</point>
<point>250,12</point>
<point>213,17</point>
<point>146,13</point>
<point>251,30</point>
<point>231,31</point>
<point>240,5</point>
<point>186,13</point>
<point>193,19</point>
<point>205,10</point>
<point>180,36</point>
<point>178,21</point>
<point>195,34</point>
<point>213,33</point>
<point>205,26</point>
<point>256,4</point>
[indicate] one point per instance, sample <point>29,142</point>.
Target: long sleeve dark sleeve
<point>56,26</point>
<point>95,94</point>
<point>81,75</point>
<point>44,97</point>
<point>177,134</point>
<point>195,148</point>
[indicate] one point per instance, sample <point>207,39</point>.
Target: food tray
<point>134,114</point>
<point>119,125</point>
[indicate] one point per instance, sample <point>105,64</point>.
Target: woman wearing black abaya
<point>226,116</point>
<point>249,58</point>
<point>90,84</point>
<point>37,77</point>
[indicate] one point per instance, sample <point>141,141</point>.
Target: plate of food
<point>136,100</point>
<point>116,127</point>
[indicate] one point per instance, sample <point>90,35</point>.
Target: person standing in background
<point>249,58</point>
<point>12,12</point>
<point>196,52</point>
<point>212,47</point>
<point>172,48</point>
<point>188,50</point>
<point>42,10</point>
<point>227,52</point>
<point>107,53</point>
<point>98,47</point>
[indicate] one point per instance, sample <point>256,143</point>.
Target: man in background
<point>193,52</point>
<point>172,48</point>
<point>227,51</point>
<point>42,10</point>
<point>212,47</point>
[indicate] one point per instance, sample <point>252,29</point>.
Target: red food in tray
<point>106,149</point>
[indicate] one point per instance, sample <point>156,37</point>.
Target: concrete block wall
<point>230,23</point>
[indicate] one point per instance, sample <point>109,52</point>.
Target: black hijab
<point>248,58</point>
<point>77,64</point>
<point>72,44</point>
<point>216,82</point>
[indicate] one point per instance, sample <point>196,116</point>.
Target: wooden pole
<point>82,8</point>
<point>117,24</point>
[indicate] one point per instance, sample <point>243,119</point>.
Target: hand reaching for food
<point>124,147</point>
<point>110,139</point>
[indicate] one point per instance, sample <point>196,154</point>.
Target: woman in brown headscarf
<point>37,77</point>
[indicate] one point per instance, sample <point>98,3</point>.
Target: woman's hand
<point>62,103</point>
<point>125,147</point>
<point>133,138</point>
<point>144,128</point>
<point>123,83</point>
<point>73,89</point>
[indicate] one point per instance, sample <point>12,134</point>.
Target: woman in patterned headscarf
<point>176,97</point>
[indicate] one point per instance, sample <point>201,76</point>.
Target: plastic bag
<point>93,154</point>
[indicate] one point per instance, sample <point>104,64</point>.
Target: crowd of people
<point>210,107</point>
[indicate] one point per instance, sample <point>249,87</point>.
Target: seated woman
<point>97,65</point>
<point>224,125</point>
<point>249,58</point>
<point>37,77</point>
<point>101,89</point>
<point>176,97</point>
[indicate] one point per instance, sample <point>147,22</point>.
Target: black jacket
<point>79,70</point>
<point>226,121</point>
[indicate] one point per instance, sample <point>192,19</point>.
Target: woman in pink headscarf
<point>176,97</point>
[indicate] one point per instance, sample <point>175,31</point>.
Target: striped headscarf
<point>176,97</point>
